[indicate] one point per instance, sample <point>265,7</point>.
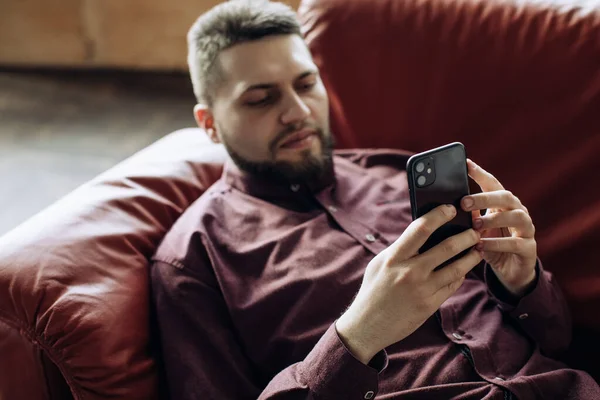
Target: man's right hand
<point>401,289</point>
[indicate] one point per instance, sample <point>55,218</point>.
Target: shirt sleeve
<point>203,359</point>
<point>329,371</point>
<point>542,313</point>
<point>201,355</point>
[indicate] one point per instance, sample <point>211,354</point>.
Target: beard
<point>310,168</point>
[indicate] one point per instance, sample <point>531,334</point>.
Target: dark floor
<point>59,129</point>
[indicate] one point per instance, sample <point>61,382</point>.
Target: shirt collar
<point>262,188</point>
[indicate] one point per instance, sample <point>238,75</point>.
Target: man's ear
<point>206,121</point>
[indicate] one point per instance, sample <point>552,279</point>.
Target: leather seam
<point>40,342</point>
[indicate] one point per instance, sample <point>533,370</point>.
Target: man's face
<point>271,111</point>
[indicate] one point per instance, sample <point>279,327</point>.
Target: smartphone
<point>435,177</point>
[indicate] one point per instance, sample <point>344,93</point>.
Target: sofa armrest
<point>74,280</point>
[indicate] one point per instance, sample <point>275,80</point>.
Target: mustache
<point>291,129</point>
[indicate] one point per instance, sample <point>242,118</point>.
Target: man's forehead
<point>265,60</point>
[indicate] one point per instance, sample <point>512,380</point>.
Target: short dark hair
<point>228,24</point>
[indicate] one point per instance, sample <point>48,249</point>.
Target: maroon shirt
<point>249,282</point>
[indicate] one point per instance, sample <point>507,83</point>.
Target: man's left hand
<point>507,231</point>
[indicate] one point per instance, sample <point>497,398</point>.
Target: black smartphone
<point>435,177</point>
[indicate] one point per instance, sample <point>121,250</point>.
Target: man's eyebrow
<point>266,86</point>
<point>259,86</point>
<point>307,74</point>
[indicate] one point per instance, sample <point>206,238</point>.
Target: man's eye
<point>307,86</point>
<point>259,102</point>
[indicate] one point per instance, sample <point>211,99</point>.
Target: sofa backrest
<point>518,82</point>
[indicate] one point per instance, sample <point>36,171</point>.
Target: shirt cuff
<point>503,296</point>
<point>542,313</point>
<point>332,372</point>
<point>536,299</point>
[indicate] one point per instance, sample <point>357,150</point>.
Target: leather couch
<point>517,82</point>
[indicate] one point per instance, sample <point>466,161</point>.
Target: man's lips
<point>294,138</point>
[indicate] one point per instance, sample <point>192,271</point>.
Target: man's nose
<point>295,110</point>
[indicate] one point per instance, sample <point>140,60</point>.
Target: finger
<point>417,233</point>
<point>517,220</point>
<point>484,179</point>
<point>444,293</point>
<point>501,199</point>
<point>458,269</point>
<point>514,245</point>
<point>455,272</point>
<point>475,214</point>
<point>448,249</point>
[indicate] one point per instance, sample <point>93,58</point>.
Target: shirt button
<point>295,188</point>
<point>370,237</point>
<point>332,209</point>
<point>369,394</point>
<point>499,379</point>
<point>523,316</point>
<point>457,336</point>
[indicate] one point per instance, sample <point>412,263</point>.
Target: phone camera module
<point>424,172</point>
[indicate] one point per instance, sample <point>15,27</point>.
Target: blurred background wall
<point>138,34</point>
<point>83,85</point>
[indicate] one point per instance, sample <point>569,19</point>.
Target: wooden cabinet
<point>138,34</point>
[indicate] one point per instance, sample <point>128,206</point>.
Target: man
<point>297,275</point>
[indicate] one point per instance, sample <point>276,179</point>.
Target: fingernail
<point>468,202</point>
<point>450,209</point>
<point>478,223</point>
